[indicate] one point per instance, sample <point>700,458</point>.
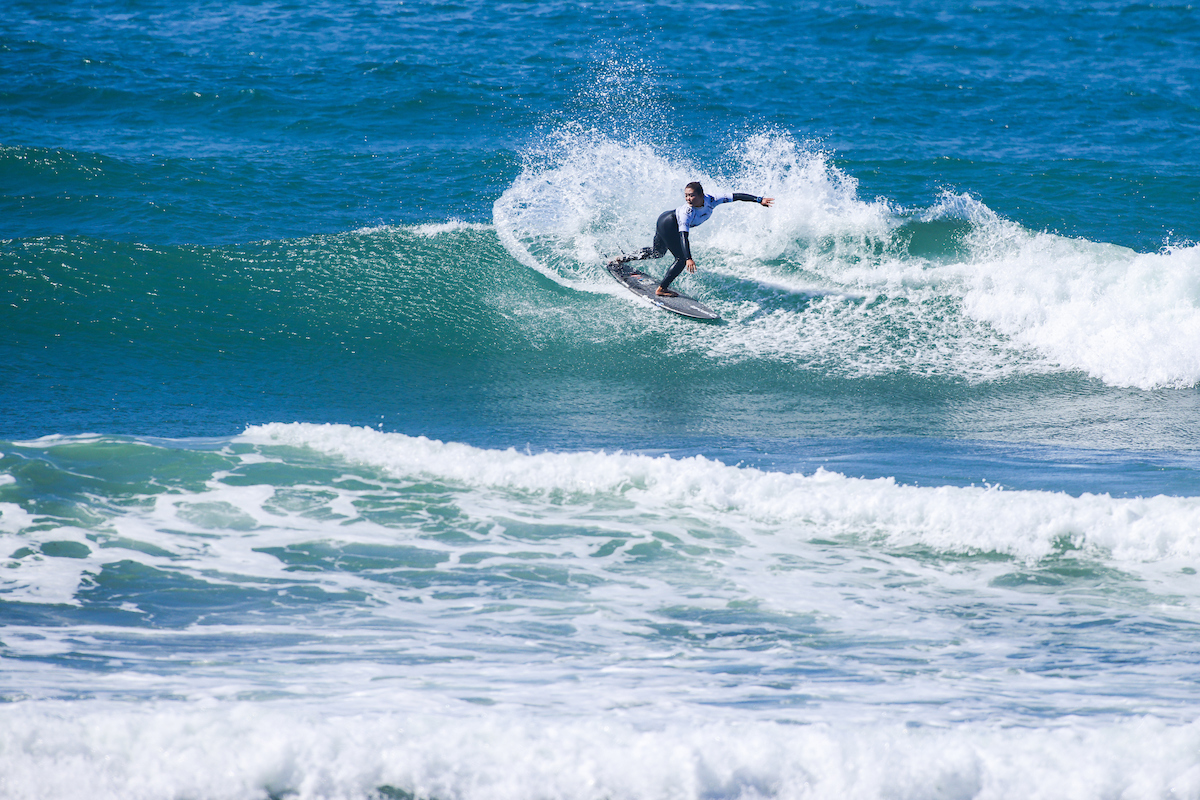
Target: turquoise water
<point>332,464</point>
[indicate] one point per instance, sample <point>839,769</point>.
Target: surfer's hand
<point>691,265</point>
<point>768,201</point>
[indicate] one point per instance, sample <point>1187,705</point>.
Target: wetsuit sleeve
<point>746,198</point>
<point>687,247</point>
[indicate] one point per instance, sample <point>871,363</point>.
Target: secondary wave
<point>1025,524</point>
<point>626,491</point>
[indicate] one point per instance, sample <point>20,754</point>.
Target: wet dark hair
<point>696,188</point>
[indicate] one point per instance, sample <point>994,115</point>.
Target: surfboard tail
<point>644,253</point>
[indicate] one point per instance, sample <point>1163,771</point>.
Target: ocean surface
<point>333,465</point>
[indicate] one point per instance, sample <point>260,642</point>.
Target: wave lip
<point>583,198</point>
<point>952,289</point>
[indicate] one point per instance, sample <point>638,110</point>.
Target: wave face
<point>548,614</point>
<point>497,336</point>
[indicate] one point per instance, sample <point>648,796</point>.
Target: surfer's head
<point>693,193</point>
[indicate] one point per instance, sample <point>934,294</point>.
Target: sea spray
<point>996,300</point>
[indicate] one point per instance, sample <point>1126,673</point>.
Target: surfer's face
<point>693,199</point>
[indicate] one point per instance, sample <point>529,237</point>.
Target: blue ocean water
<point>333,465</point>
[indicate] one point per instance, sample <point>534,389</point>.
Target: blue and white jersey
<point>690,217</point>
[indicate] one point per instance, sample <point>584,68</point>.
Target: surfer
<point>673,227</point>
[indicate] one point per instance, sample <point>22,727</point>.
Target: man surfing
<point>674,225</point>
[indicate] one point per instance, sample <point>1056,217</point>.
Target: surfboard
<point>644,285</point>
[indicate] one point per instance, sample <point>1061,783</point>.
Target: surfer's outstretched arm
<point>749,198</point>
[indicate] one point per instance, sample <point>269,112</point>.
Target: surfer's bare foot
<point>661,292</point>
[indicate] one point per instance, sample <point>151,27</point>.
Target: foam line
<point>1026,524</point>
<point>243,750</point>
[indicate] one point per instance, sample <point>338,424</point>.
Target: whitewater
<point>344,607</point>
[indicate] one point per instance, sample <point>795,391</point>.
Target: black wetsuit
<point>667,237</point>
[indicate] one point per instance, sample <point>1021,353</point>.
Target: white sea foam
<point>450,226</point>
<point>250,750</point>
<point>1026,524</point>
<point>426,230</point>
<point>1004,301</point>
<point>1128,318</point>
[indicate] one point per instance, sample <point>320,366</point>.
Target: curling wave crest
<point>829,280</point>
